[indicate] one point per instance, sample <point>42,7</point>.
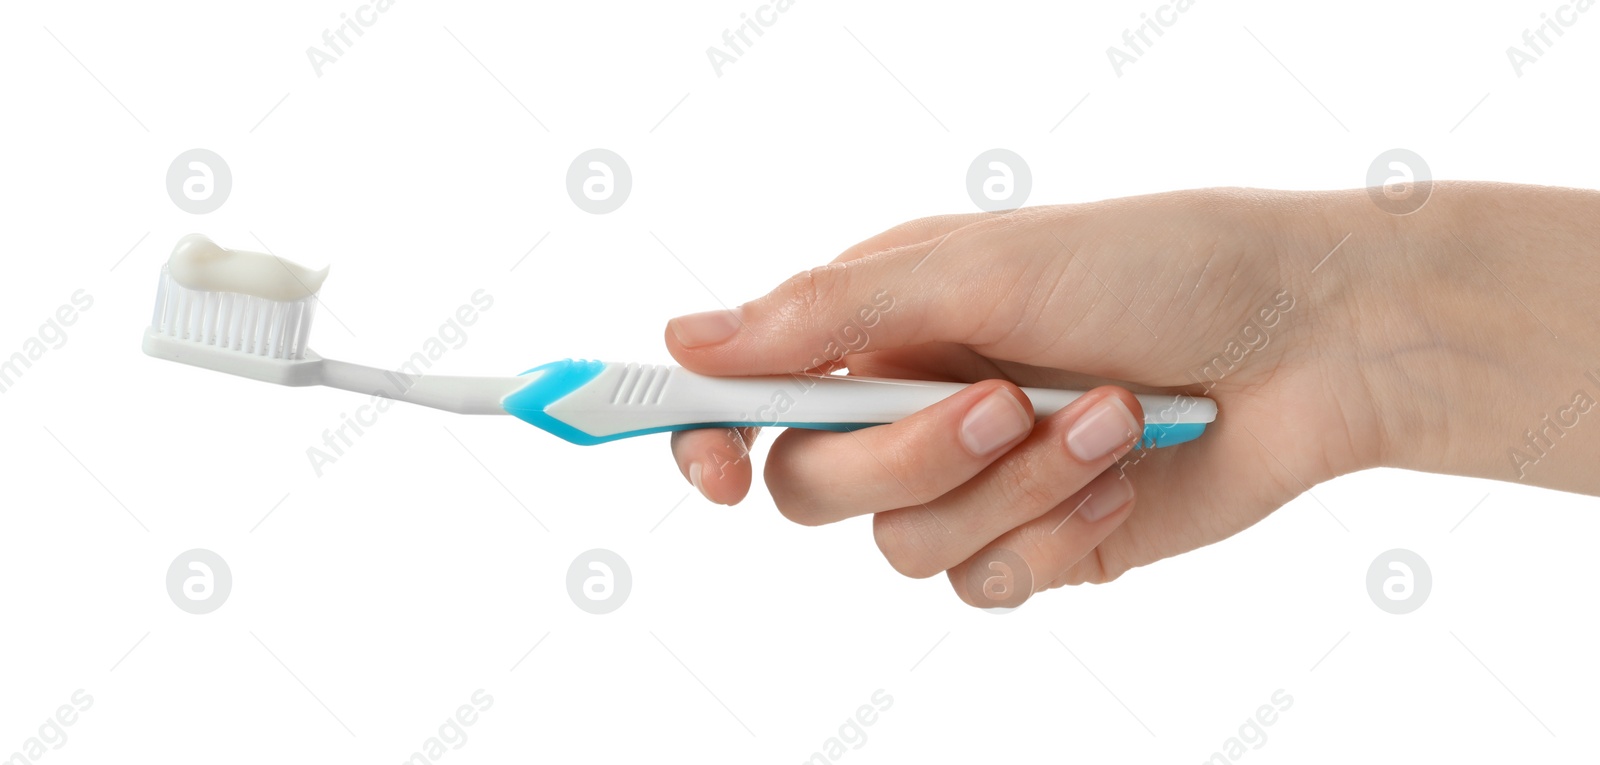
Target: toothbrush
<point>249,314</point>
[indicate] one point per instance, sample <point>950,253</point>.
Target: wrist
<point>1458,330</point>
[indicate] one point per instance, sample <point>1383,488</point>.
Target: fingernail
<point>705,328</point>
<point>995,421</point>
<point>1105,428</point>
<point>1105,499</point>
<point>695,473</point>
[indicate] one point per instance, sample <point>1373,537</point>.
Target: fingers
<point>716,461</point>
<point>818,477</point>
<point>1033,556</point>
<point>724,473</point>
<point>731,481</point>
<point>1063,453</point>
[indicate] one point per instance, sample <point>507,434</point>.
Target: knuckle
<point>903,539</point>
<point>920,229</point>
<point>802,513</point>
<point>909,231</point>
<point>801,494</point>
<point>793,502</point>
<point>904,460</point>
<point>1095,568</point>
<point>1024,486</point>
<point>996,576</point>
<point>991,229</point>
<point>812,291</point>
<point>969,598</point>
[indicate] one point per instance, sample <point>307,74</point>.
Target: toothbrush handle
<point>590,402</point>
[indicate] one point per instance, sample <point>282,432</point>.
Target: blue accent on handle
<point>559,378</point>
<point>556,380</point>
<point>1157,436</point>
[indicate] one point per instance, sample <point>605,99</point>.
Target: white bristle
<point>234,321</point>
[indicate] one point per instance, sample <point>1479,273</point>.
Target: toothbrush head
<point>244,313</point>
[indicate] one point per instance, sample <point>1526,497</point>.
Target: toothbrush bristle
<point>233,321</point>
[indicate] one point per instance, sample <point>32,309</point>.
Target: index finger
<point>886,300</point>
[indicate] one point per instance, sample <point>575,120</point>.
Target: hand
<point>1238,295</point>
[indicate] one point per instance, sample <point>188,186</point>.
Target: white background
<point>374,600</point>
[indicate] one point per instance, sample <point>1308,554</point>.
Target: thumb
<point>891,299</point>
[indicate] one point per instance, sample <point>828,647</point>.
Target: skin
<point>1431,341</point>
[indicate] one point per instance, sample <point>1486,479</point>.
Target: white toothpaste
<point>199,264</point>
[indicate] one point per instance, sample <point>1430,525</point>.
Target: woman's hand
<point>1282,307</point>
